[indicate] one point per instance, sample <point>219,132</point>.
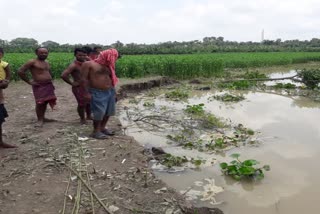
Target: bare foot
<point>83,121</point>
<point>7,146</point>
<point>39,124</point>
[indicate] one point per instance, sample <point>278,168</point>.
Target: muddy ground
<point>34,177</point>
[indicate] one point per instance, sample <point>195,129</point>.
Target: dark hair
<point>76,50</point>
<point>87,49</point>
<point>95,48</point>
<point>1,50</point>
<point>36,51</point>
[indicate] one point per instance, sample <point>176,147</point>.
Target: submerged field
<point>264,123</point>
<point>179,66</point>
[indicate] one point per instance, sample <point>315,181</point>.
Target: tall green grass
<point>178,66</point>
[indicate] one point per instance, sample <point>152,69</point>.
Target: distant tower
<point>262,35</point>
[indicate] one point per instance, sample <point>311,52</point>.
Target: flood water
<point>289,132</point>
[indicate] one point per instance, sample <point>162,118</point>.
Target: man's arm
<point>84,82</point>
<point>22,72</point>
<point>50,72</point>
<point>4,84</point>
<point>66,75</point>
<point>8,72</point>
<point>84,71</point>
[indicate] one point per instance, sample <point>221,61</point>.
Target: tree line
<point>206,45</point>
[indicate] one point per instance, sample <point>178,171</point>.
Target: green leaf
<point>235,155</point>
<point>234,162</point>
<point>247,170</point>
<point>250,162</point>
<point>250,132</point>
<point>197,162</point>
<point>223,165</point>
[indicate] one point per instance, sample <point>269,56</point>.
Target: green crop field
<point>178,66</point>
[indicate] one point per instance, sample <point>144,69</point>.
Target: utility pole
<point>262,35</point>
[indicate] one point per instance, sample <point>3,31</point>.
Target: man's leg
<point>88,112</point>
<point>40,111</point>
<point>104,122</point>
<point>96,126</point>
<point>97,130</point>
<point>81,114</point>
<point>111,109</point>
<point>2,144</point>
<point>98,109</point>
<point>104,130</point>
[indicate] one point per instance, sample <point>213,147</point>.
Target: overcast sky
<point>153,21</point>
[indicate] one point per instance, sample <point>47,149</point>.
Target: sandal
<point>99,136</point>
<point>108,132</point>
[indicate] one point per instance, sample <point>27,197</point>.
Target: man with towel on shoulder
<point>41,82</point>
<point>99,81</point>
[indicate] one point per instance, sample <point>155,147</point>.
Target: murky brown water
<point>290,131</point>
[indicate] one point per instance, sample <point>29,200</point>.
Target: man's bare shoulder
<point>31,62</point>
<point>89,63</point>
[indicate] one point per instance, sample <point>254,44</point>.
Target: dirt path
<point>32,180</point>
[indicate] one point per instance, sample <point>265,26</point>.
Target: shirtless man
<point>97,81</point>
<point>74,71</point>
<point>41,82</point>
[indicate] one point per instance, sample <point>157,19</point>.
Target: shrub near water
<point>311,78</point>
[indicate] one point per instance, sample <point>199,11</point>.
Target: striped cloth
<point>109,58</point>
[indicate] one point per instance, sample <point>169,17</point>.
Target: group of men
<point>93,80</point>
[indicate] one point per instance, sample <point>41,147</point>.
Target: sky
<point>153,21</point>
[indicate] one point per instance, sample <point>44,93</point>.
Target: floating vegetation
<point>170,161</point>
<point>177,95</point>
<point>207,120</point>
<point>195,109</point>
<point>284,86</point>
<point>216,142</point>
<point>148,104</point>
<point>229,97</point>
<point>254,75</point>
<point>134,101</point>
<point>243,169</point>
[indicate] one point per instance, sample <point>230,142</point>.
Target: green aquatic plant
<point>134,101</point>
<point>284,85</point>
<point>242,132</point>
<point>177,95</point>
<point>254,75</point>
<point>170,161</point>
<point>148,104</point>
<point>229,97</point>
<point>243,169</point>
<point>207,120</point>
<point>195,109</point>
